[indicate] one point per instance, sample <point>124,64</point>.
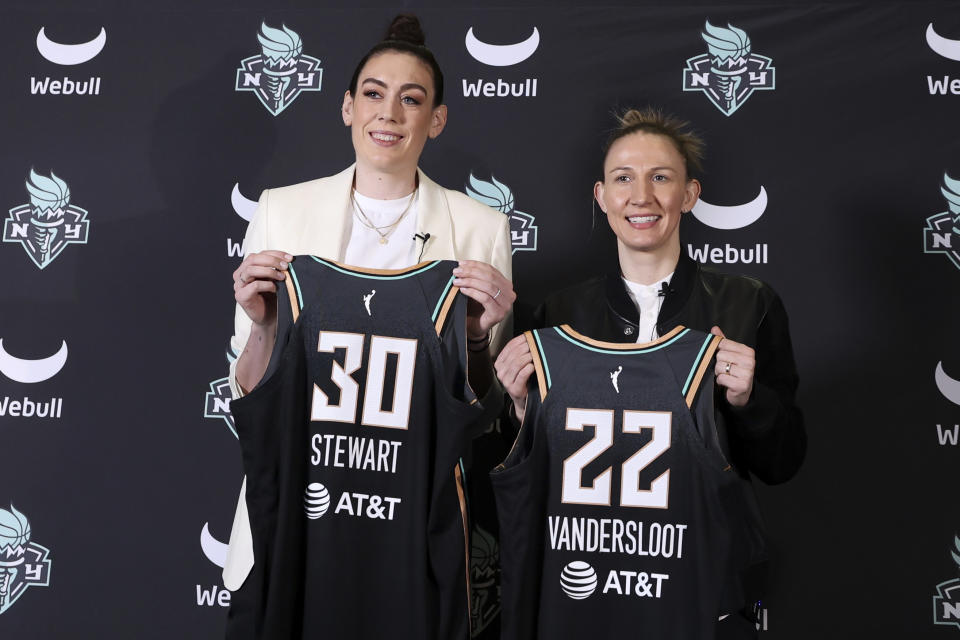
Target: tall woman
<point>647,186</point>
<point>381,212</point>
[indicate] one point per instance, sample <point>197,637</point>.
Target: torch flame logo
<point>281,51</point>
<point>951,191</point>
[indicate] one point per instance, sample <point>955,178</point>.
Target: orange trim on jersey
<point>704,364</point>
<point>377,272</point>
<point>466,533</point>
<point>537,364</point>
<point>620,346</point>
<point>445,309</point>
<point>292,294</point>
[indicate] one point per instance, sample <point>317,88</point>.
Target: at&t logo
<point>23,562</point>
<point>942,234</point>
<point>68,55</point>
<point>496,195</point>
<point>281,72</point>
<point>49,222</point>
<point>501,55</point>
<point>729,72</point>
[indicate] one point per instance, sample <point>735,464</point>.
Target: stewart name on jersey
<point>351,447</point>
<point>619,513</point>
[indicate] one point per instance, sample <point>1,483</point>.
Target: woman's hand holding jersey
<point>255,283</point>
<point>255,290</point>
<point>491,296</point>
<point>734,369</point>
<point>514,366</point>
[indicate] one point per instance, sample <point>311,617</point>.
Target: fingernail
<point>283,265</point>
<point>288,257</point>
<point>457,270</point>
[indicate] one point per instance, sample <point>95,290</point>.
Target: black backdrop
<point>850,147</point>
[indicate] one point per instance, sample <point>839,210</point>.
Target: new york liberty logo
<point>48,223</point>
<point>281,72</point>
<point>216,401</point>
<point>729,72</point>
<point>23,563</point>
<point>942,234</point>
<point>946,604</point>
<point>496,195</point>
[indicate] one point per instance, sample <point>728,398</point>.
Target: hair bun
<point>406,28</point>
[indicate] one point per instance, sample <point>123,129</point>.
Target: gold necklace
<point>365,221</point>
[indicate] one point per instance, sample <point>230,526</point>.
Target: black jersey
<point>619,513</point>
<point>351,448</point>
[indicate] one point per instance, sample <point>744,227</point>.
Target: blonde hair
<point>653,120</point>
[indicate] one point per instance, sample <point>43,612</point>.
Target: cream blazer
<point>311,218</point>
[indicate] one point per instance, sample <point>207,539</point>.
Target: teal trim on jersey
<point>443,296</point>
<point>543,359</point>
<point>618,352</point>
<point>296,285</point>
<point>375,276</point>
<point>696,365</point>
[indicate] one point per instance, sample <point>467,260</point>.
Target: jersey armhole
<point>699,369</point>
<point>540,365</point>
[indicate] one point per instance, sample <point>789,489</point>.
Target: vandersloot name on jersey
<point>626,537</point>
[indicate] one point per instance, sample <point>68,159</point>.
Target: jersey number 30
<point>631,495</point>
<point>374,415</point>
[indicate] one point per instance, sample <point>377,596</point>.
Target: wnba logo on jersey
<point>728,73</point>
<point>496,195</point>
<point>942,234</point>
<point>48,223</point>
<point>946,604</point>
<point>23,563</point>
<point>281,72</point>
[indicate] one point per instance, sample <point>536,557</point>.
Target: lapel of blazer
<point>433,217</point>
<point>328,210</point>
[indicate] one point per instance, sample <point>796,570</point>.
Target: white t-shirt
<point>364,248</point>
<point>648,300</point>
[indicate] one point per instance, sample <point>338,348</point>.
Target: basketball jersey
<point>351,447</point>
<point>619,513</point>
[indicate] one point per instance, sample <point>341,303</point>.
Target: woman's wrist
<point>476,345</point>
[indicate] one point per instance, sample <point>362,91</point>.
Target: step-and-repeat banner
<point>134,147</point>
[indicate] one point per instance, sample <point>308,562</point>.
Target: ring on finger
<point>727,368</point>
<point>497,294</point>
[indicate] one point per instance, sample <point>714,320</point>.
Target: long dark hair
<point>406,36</point>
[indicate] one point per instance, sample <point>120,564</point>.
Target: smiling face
<point>392,113</point>
<point>644,192</point>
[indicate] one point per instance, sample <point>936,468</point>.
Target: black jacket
<point>766,436</point>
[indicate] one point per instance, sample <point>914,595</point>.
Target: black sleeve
<point>767,434</point>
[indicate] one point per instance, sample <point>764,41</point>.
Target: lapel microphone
<point>422,237</point>
<point>665,288</point>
